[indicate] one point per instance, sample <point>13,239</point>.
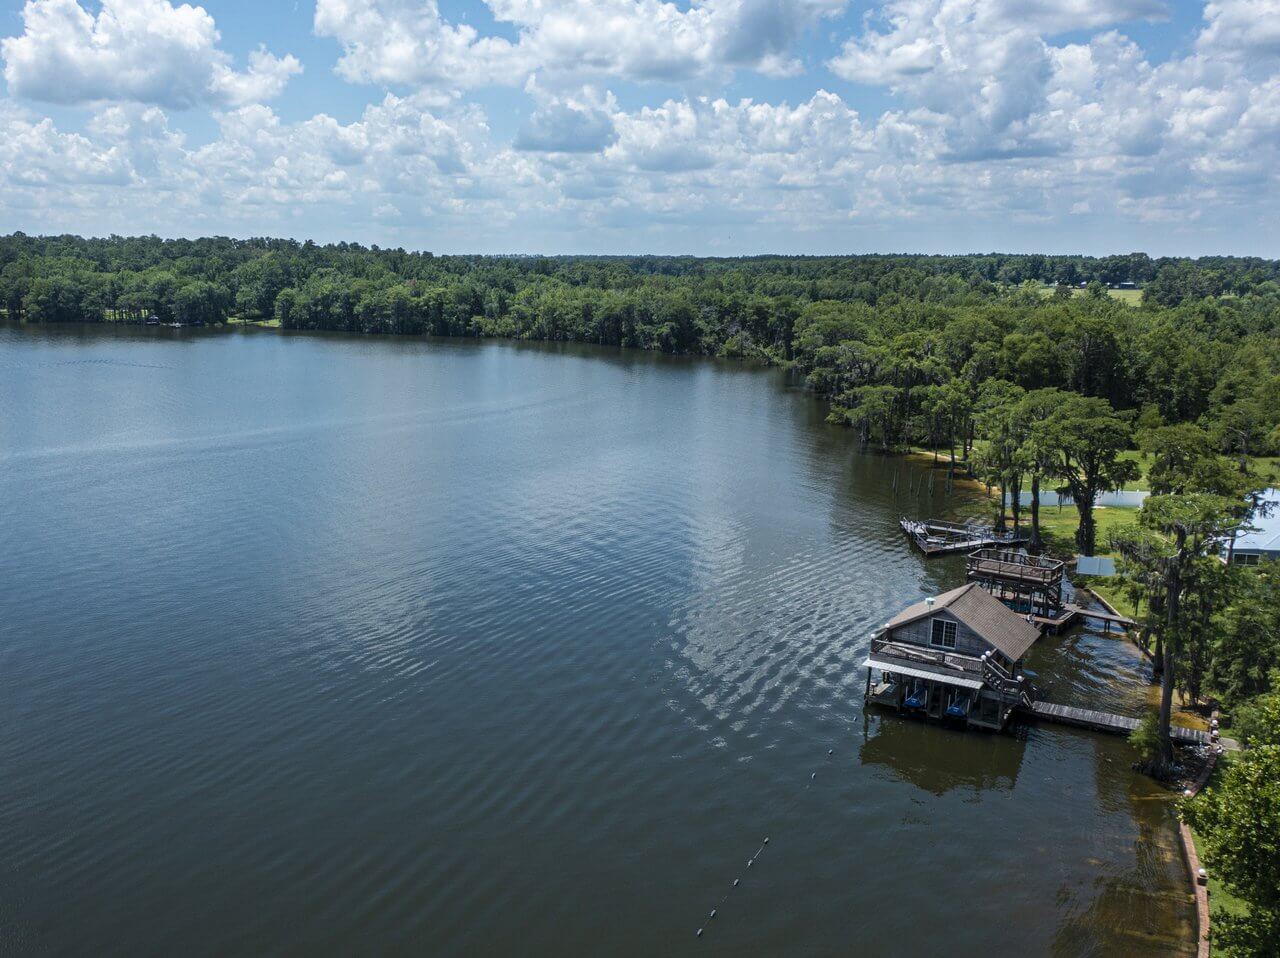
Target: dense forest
<point>1026,369</point>
<point>913,350</point>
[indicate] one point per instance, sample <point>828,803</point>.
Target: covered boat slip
<point>954,656</point>
<point>935,691</point>
<point>898,668</point>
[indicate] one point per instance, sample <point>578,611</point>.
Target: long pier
<point>1106,722</point>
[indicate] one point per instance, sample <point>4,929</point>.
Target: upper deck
<point>1013,566</point>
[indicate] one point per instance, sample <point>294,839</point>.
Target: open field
<point>1132,297</point>
<point>1266,466</point>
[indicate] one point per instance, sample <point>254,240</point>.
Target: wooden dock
<point>1069,614</point>
<point>935,538</point>
<point>1111,619</point>
<point>1106,722</point>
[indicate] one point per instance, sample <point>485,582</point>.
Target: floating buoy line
<point>737,881</point>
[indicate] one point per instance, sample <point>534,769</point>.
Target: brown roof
<point>986,615</point>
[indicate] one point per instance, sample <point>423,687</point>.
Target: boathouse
<point>955,657</point>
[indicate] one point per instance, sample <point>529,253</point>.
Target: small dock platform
<point>1106,722</point>
<point>1069,614</point>
<point>934,537</point>
<point>1124,622</point>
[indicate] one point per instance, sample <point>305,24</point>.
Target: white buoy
<point>831,751</point>
<point>1203,874</point>
<point>813,775</point>
<point>735,882</point>
<point>750,862</point>
<point>766,840</point>
<point>713,913</point>
<point>699,933</point>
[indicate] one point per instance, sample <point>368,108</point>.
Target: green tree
<point>1239,824</point>
<point>998,421</point>
<point>1087,441</point>
<point>1038,452</point>
<point>1172,552</point>
<point>1257,722</point>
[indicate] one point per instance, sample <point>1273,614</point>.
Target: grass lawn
<point>1266,466</point>
<point>1132,297</point>
<point>1109,588</point>
<point>271,323</point>
<point>1058,524</point>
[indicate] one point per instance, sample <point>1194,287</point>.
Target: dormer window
<point>943,635</point>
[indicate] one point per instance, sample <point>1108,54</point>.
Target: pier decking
<point>1111,619</point>
<point>1106,722</point>
<point>1068,614</point>
<point>935,538</point>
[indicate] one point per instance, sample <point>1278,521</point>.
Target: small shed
<point>1095,565</point>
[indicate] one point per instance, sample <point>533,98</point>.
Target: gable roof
<point>980,611</point>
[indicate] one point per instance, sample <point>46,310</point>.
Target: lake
<point>326,644</point>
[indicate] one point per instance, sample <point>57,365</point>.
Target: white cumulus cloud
<point>408,42</point>
<point>147,51</point>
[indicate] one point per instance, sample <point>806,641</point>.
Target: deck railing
<point>909,653</point>
<point>1004,682</point>
<point>1014,688</point>
<point>1002,563</point>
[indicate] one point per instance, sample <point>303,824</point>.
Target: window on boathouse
<point>944,634</point>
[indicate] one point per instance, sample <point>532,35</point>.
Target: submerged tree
<point>999,462</point>
<point>1038,451</point>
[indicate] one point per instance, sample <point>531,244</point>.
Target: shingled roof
<point>986,615</point>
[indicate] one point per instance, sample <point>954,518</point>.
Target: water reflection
<point>938,758</point>
<point>1144,906</point>
<point>497,649</point>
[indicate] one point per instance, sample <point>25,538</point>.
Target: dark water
<point>325,645</point>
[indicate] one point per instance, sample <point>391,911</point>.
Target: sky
<point>711,127</point>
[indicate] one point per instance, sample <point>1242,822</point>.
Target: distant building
<point>1263,544</point>
<point>958,657</point>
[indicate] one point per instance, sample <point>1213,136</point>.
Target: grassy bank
<point>1112,592</point>
<point>1221,901</point>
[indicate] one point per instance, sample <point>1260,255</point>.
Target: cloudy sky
<point>712,126</point>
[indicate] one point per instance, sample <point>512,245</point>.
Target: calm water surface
<point>327,645</point>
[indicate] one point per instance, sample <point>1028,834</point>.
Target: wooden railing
<point>1013,565</point>
<point>909,652</point>
<point>1007,684</point>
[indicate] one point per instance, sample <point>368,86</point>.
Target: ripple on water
<point>327,644</point>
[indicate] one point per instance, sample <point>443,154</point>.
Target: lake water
<point>319,644</point>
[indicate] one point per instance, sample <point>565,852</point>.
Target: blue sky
<point>717,127</point>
